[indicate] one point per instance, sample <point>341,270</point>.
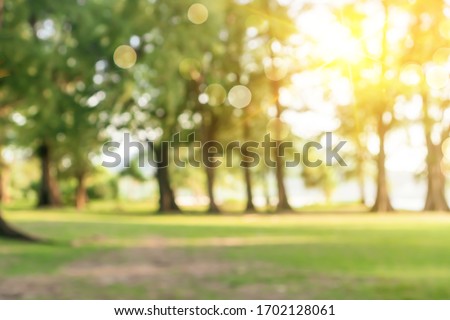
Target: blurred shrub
<point>105,189</point>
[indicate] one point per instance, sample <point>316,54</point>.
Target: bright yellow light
<point>125,57</point>
<point>437,77</point>
<point>411,75</point>
<point>198,13</point>
<point>240,96</point>
<point>346,48</point>
<point>442,56</point>
<point>335,38</point>
<point>444,29</point>
<point>335,41</point>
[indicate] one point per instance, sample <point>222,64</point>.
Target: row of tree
<point>66,89</point>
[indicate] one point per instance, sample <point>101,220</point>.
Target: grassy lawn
<point>128,255</point>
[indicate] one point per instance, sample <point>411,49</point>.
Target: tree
<point>6,230</point>
<point>9,232</point>
<point>322,176</point>
<point>160,94</point>
<point>429,43</point>
<point>67,69</point>
<point>273,27</point>
<point>4,124</point>
<point>374,98</point>
<point>35,72</point>
<point>208,72</point>
<point>383,118</point>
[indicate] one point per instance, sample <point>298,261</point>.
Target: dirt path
<point>147,272</point>
<point>160,269</point>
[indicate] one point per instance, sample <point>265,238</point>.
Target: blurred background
<point>77,74</point>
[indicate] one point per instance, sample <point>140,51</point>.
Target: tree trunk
<point>4,194</point>
<point>361,182</point>
<point>435,200</point>
<point>4,183</point>
<point>49,195</point>
<point>209,128</point>
<point>210,180</point>
<point>250,207</point>
<point>382,202</point>
<point>283,203</point>
<point>2,187</point>
<point>8,232</point>
<point>81,193</point>
<point>264,176</point>
<point>166,195</point>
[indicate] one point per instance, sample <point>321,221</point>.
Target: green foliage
<point>103,190</point>
<point>60,86</point>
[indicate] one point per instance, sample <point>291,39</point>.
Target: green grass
<point>324,256</point>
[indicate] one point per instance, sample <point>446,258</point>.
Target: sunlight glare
<point>334,40</point>
<point>341,46</point>
<point>437,77</point>
<point>411,75</point>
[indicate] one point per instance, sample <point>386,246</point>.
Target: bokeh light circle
<point>216,94</point>
<point>411,74</point>
<point>125,57</point>
<point>240,96</point>
<point>437,77</point>
<point>198,13</point>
